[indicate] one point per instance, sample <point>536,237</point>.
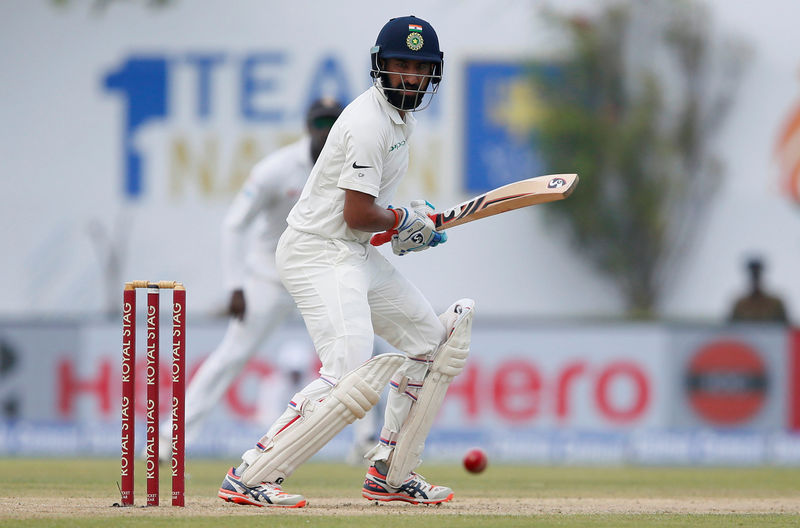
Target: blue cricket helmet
<point>409,38</point>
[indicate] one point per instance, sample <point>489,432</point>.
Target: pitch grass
<point>28,479</point>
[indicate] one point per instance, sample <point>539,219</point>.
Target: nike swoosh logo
<point>357,166</point>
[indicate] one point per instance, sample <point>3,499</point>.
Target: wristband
<point>396,217</point>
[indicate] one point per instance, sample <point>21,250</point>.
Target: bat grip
<point>379,239</point>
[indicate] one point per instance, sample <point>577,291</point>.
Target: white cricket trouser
<point>267,306</point>
<point>347,292</point>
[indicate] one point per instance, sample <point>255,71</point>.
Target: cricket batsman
<point>347,292</point>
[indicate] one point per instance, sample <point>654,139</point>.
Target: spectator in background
<point>757,305</point>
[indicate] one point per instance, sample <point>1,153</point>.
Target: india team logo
<point>414,40</point>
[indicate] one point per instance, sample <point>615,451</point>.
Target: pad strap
<point>388,437</point>
<point>406,386</point>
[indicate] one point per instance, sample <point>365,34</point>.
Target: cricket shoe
<point>265,494</point>
<point>414,489</point>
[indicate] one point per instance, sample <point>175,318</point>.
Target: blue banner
<point>502,113</point>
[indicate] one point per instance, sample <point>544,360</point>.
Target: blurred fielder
<point>259,302</point>
<point>347,292</point>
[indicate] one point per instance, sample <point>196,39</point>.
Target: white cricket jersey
<point>270,192</point>
<point>367,151</point>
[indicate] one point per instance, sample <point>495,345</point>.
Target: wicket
<point>178,375</point>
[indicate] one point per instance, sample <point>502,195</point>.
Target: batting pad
<point>355,394</point>
<point>448,363</point>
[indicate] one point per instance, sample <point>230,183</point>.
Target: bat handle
<point>379,239</point>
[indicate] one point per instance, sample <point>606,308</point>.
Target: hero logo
<point>555,183</point>
<point>210,93</point>
<point>522,391</point>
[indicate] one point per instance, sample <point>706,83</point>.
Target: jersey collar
<point>391,111</point>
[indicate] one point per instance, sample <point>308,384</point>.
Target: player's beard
<point>404,101</point>
<point>399,99</point>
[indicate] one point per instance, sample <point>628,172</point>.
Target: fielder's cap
<point>324,107</point>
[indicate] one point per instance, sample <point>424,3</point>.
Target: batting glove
<point>416,231</point>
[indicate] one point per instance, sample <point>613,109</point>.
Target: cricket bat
<point>515,195</point>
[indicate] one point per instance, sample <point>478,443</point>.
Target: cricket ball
<point>475,460</point>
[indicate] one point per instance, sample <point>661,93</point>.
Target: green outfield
<point>53,492</point>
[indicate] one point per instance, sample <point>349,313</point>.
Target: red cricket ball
<point>475,460</point>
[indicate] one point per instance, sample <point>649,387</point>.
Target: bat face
<point>458,212</point>
<point>515,195</point>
